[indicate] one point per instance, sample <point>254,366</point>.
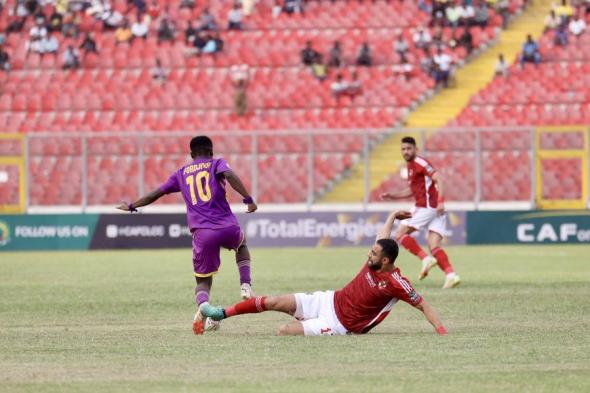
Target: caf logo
<point>4,234</point>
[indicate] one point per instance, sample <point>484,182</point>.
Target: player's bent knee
<point>272,302</point>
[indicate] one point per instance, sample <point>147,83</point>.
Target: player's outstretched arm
<point>235,182</point>
<point>393,196</point>
<point>385,232</point>
<point>143,201</point>
<point>432,316</point>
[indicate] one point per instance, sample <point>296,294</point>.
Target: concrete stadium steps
<point>385,159</point>
<point>446,105</point>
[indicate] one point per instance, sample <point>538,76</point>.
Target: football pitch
<point>121,321</point>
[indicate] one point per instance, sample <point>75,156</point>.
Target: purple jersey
<point>203,189</point>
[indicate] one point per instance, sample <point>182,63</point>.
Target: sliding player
<point>357,308</point>
<point>210,219</point>
<point>426,186</point>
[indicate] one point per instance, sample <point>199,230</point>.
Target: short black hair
<point>390,248</point>
<point>409,139</point>
<point>201,146</point>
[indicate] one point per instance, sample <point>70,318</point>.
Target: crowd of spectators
<point>567,20</point>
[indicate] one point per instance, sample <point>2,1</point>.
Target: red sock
<point>250,306</point>
<point>412,246</point>
<point>443,260</point>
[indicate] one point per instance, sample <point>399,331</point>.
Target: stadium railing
<point>484,168</point>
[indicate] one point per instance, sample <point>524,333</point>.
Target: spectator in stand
<point>159,74</point>
<point>32,6</point>
<point>15,25</point>
<point>234,17</point>
<point>561,38</point>
<point>49,45</point>
<point>466,40</point>
<point>401,47</point>
<point>437,37</point>
<point>552,21</point>
<point>501,68</point>
<point>422,39</point>
<point>439,14</point>
<point>319,69</point>
<point>140,6</point>
<point>213,44</point>
<point>97,8</point>
<point>467,14</point>
<point>309,55</point>
<point>207,20</point>
<point>112,19</point>
<point>293,6</point>
<point>89,45</point>
<point>141,27</point>
<point>36,35</point>
<point>454,13</point>
<point>364,57</point>
<point>123,33</point>
<point>405,69</point>
<point>240,78</point>
<point>71,58</point>
<point>503,9</point>
<point>187,4</point>
<point>530,52</point>
<point>564,10</point>
<point>427,64</point>
<point>339,87</point>
<point>276,9</point>
<point>442,63</point>
<point>335,55</point>
<point>190,33</point>
<point>198,43</point>
<point>4,60</point>
<point>55,21</point>
<point>577,26</point>
<point>166,30</point>
<point>482,15</point>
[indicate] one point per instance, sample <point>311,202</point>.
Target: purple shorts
<point>207,244</point>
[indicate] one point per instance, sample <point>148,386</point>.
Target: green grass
<point>121,321</point>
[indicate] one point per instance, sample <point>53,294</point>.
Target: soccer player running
<point>357,308</point>
<point>209,216</point>
<point>427,187</point>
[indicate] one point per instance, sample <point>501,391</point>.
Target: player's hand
<point>252,208</point>
<point>388,196</point>
<point>402,214</point>
<point>124,207</point>
<point>440,210</point>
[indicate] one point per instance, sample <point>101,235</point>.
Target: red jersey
<point>365,301</point>
<point>424,190</point>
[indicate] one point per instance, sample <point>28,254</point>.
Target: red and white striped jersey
<point>423,188</point>
<point>365,301</point>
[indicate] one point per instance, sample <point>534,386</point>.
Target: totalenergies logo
<point>4,234</point>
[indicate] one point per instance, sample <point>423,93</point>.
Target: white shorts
<point>317,315</point>
<point>427,218</point>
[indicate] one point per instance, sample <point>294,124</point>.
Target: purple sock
<point>244,268</point>
<point>202,292</point>
<point>202,297</point>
